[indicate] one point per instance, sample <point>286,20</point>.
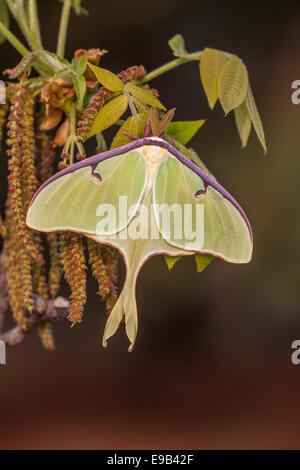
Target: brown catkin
<point>39,276</point>
<point>111,258</point>
<point>24,265</point>
<point>107,288</point>
<point>55,264</point>
<point>3,111</point>
<point>39,279</point>
<point>73,261</point>
<point>29,179</point>
<point>46,336</point>
<point>29,187</point>
<point>46,161</point>
<point>42,140</point>
<point>15,178</point>
<point>2,227</point>
<point>18,271</point>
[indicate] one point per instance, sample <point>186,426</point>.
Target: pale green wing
<point>194,216</point>
<point>80,199</point>
<point>135,252</point>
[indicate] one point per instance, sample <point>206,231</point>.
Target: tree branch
<point>51,311</point>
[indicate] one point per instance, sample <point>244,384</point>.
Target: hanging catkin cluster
<point>105,272</point>
<point>3,112</point>
<point>19,246</point>
<point>29,187</point>
<point>24,260</point>
<point>73,260</point>
<point>46,336</point>
<point>18,187</point>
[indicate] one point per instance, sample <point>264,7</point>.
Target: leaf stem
<point>163,69</point>
<point>63,27</point>
<point>175,63</point>
<point>34,24</point>
<point>19,14</point>
<point>13,40</point>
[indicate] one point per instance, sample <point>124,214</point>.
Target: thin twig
<point>13,40</point>
<point>17,10</point>
<point>175,63</point>
<point>34,23</point>
<point>51,311</point>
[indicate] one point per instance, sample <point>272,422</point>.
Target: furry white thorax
<point>153,155</point>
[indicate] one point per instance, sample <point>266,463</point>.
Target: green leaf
<point>233,84</point>
<point>79,64</point>
<point>171,260</point>
<point>211,64</point>
<point>108,79</point>
<point>255,118</point>
<point>80,88</point>
<point>202,261</point>
<point>144,95</point>
<point>4,18</point>
<point>243,122</point>
<point>178,46</point>
<point>131,126</point>
<point>183,131</point>
<point>108,115</point>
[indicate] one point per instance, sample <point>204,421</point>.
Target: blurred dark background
<point>212,363</point>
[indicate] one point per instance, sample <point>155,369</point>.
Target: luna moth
<point>149,173</point>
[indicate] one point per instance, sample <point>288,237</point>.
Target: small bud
<point>62,165</point>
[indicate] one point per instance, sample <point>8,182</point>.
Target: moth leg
<point>131,136</point>
<point>148,128</point>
